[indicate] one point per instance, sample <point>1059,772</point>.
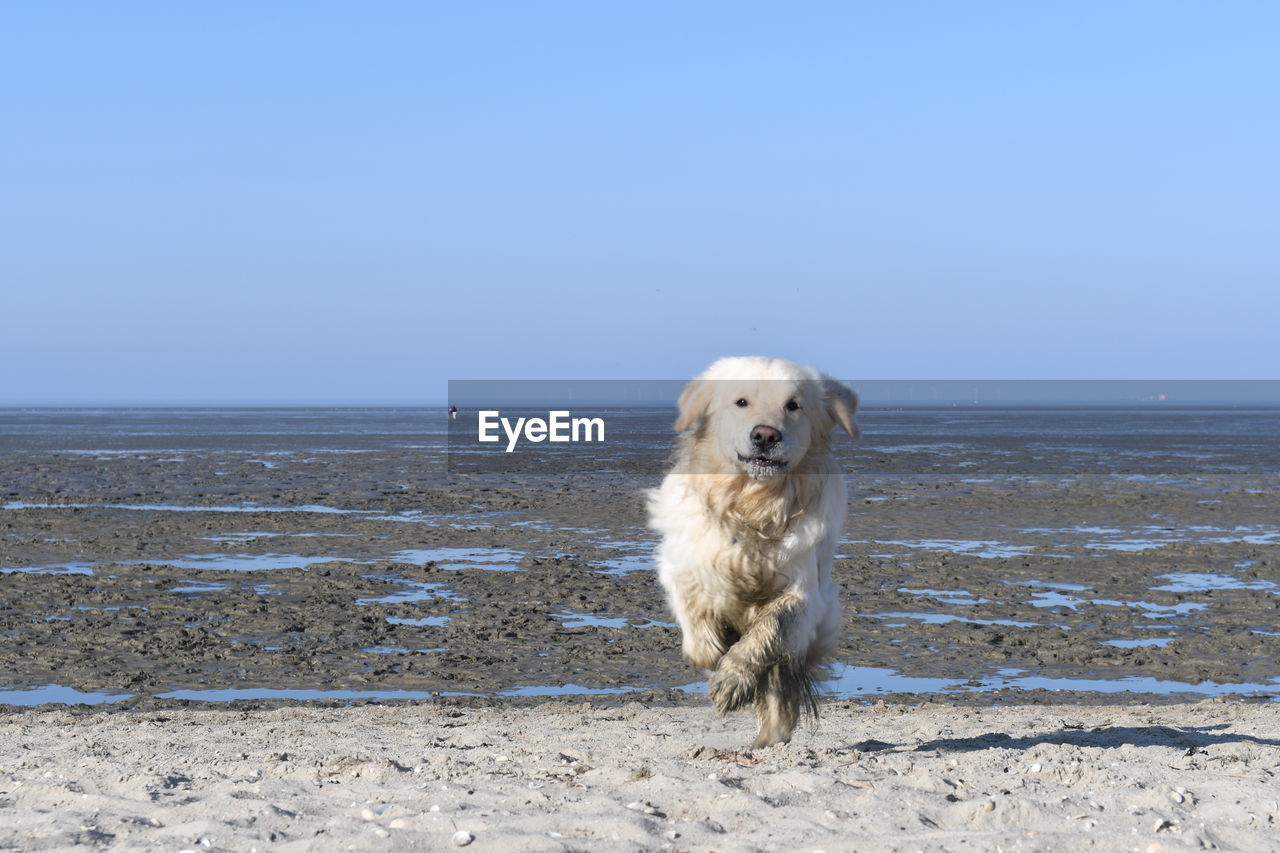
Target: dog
<point>749,517</point>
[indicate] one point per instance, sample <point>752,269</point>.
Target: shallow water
<point>1200,582</point>
<point>60,694</point>
<point>987,549</point>
<point>490,559</point>
<point>233,694</point>
<point>52,569</point>
<point>944,618</point>
<point>958,597</point>
<point>152,507</point>
<point>1152,610</point>
<point>424,622</point>
<point>628,563</point>
<point>415,591</point>
<point>847,682</point>
<point>578,620</point>
<point>1160,642</point>
<point>852,681</point>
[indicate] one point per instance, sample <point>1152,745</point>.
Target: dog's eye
<point>792,405</point>
<point>741,402</point>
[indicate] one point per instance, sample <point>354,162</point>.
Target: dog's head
<point>763,415</point>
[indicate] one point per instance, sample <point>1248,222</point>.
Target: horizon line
<point>631,404</point>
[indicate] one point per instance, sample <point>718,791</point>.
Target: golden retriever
<point>749,517</point>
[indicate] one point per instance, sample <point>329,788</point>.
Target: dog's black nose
<point>764,437</point>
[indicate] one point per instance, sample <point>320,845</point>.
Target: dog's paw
<point>770,737</point>
<point>732,685</point>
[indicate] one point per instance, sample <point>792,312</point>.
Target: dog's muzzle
<point>762,467</point>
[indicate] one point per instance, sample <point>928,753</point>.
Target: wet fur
<point>746,563</point>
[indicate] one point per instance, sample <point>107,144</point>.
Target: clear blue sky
<point>283,202</point>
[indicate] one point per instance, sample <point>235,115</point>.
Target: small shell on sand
<point>462,838</point>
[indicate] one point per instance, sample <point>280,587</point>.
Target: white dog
<point>749,518</point>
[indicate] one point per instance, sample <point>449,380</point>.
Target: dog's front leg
<point>703,638</point>
<point>766,644</point>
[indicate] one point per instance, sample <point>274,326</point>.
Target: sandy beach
<point>630,776</point>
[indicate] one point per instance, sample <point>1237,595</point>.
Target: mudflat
<point>128,575</point>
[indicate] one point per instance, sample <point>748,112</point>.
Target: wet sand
<point>346,575</point>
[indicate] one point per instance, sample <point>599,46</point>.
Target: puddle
<point>398,650</point>
<point>1076,529</point>
<point>236,693</point>
<point>1196,582</point>
<point>548,527</point>
<point>852,681</point>
<point>1130,545</point>
<point>426,621</point>
<point>315,508</point>
<point>1150,537</point>
<point>241,538</point>
<point>1055,599</point>
<point>628,563</point>
<point>639,542</point>
<point>417,591</point>
<point>572,690</point>
<point>983,548</point>
<point>52,569</point>
<point>579,620</point>
<point>243,562</point>
<point>197,587</point>
<point>1154,611</point>
<point>1137,644</point>
<point>60,694</point>
<point>942,447</point>
<point>944,618</point>
<point>946,596</point>
<point>490,559</point>
<point>1073,587</point>
<point>238,538</point>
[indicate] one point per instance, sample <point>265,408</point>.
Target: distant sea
<point>1112,440</point>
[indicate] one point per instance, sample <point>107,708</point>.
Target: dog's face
<point>763,415</point>
<point>762,426</point>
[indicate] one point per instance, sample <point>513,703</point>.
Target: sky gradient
<point>279,203</point>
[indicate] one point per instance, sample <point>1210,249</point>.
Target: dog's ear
<point>693,403</point>
<point>842,404</point>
